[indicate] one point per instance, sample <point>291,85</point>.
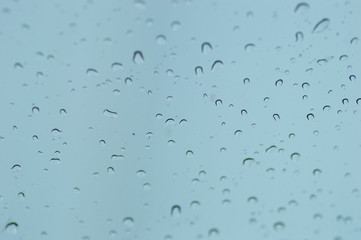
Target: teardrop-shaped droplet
<point>206,48</point>
<point>175,211</point>
<point>218,64</point>
<point>299,36</point>
<point>138,57</point>
<point>321,26</point>
<point>199,71</point>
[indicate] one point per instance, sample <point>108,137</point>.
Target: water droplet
<point>271,148</point>
<point>62,111</point>
<point>18,66</point>
<point>218,102</point>
<point>128,221</point>
<point>110,114</point>
<point>117,67</point>
<point>138,57</point>
<point>141,173</point>
<point>195,204</point>
<point>147,186</point>
<point>238,133</point>
<point>110,170</point>
<point>316,172</point>
<point>247,161</point>
<point>176,211</point>
<point>244,112</point>
<point>16,168</point>
<point>322,62</point>
<point>343,58</point>
<point>249,47</point>
<point>279,83</point>
<point>213,232</point>
<point>35,110</point>
<point>128,81</point>
<point>299,36</point>
<point>278,226</point>
<point>199,71</point>
<point>117,157</point>
<point>55,161</point>
<point>321,26</point>
<point>217,65</point>
<point>189,153</point>
<point>12,228</point>
<point>310,116</point>
<point>161,39</point>
<point>175,25</point>
<point>301,7</point>
<point>91,72</point>
<point>305,85</point>
<point>246,81</point>
<point>345,101</point>
<point>206,48</point>
<point>183,122</point>
<point>352,77</point>
<point>21,195</point>
<point>276,117</point>
<point>252,200</point>
<point>354,40</point>
<point>358,101</point>
<point>295,156</point>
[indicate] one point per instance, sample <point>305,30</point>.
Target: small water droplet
<point>18,66</point>
<point>276,117</point>
<point>354,40</point>
<point>321,26</point>
<point>352,77</point>
<point>299,36</point>
<point>358,101</point>
<point>62,111</point>
<point>21,195</point>
<point>247,161</point>
<point>128,221</point>
<point>117,157</point>
<point>147,186</point>
<point>252,200</point>
<point>161,39</point>
<point>278,226</point>
<point>138,57</point>
<point>195,204</point>
<point>213,232</point>
<point>317,172</point>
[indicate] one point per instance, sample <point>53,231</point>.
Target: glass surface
<point>180,119</point>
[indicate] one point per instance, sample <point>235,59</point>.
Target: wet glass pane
<point>180,119</point>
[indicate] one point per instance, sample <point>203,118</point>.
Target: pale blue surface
<point>154,178</point>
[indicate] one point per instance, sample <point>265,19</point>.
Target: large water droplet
<point>12,228</point>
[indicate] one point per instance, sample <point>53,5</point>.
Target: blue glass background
<point>180,119</point>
